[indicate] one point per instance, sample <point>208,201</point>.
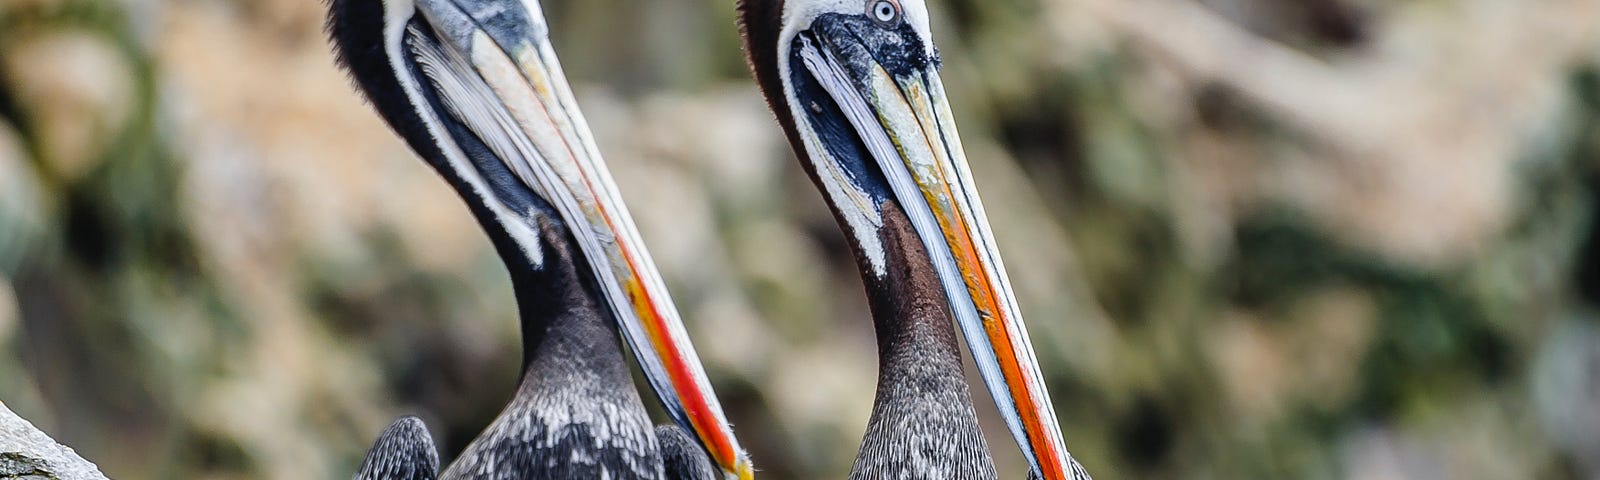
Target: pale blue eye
<point>885,12</point>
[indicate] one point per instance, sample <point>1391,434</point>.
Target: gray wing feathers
<point>404,451</point>
<point>681,456</point>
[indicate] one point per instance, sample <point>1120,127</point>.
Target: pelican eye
<point>885,12</point>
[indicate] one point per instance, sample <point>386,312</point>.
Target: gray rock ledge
<point>28,454</point>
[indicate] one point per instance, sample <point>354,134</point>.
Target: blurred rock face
<point>76,88</point>
<point>1566,388</point>
<point>22,207</point>
<point>1317,238</point>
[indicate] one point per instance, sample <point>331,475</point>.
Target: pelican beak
<point>494,71</point>
<point>888,88</point>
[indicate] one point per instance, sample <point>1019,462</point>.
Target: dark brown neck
<point>922,403</point>
<point>909,308</point>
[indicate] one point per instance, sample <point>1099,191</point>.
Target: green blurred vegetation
<point>1253,238</point>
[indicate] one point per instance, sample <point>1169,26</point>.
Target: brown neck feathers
<point>908,300</point>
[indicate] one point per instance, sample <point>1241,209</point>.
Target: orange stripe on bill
<point>913,112</point>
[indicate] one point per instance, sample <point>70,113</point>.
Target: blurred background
<point>1320,239</point>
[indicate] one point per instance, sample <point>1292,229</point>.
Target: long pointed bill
<point>902,118</point>
<point>495,71</point>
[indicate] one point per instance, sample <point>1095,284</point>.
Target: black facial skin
<point>858,43</point>
<point>507,26</point>
<point>836,133</point>
<point>510,28</point>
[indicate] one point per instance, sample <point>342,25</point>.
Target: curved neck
<point>560,280</point>
<point>575,413</point>
<point>923,403</point>
<point>909,308</point>
<point>558,295</point>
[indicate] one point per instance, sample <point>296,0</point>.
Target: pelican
<point>855,86</point>
<point>475,89</point>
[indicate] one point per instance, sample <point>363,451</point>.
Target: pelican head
<point>475,88</point>
<point>855,84</point>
